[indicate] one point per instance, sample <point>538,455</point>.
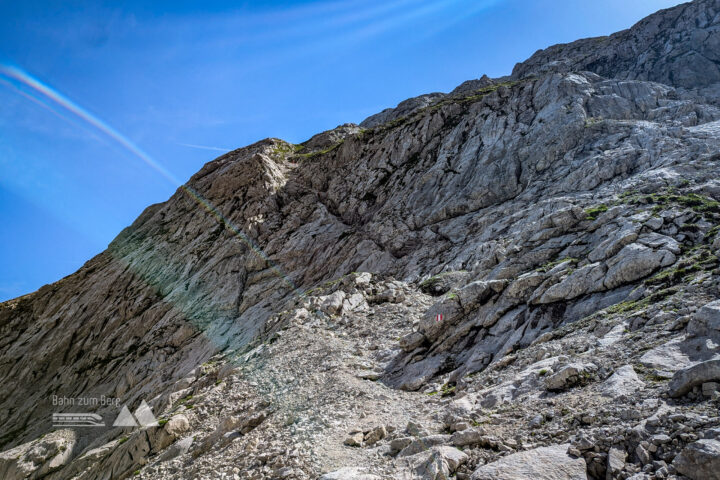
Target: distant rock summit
<point>515,280</point>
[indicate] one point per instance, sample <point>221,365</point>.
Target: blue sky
<point>185,81</point>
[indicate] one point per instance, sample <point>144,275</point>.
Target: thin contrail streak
<point>206,147</point>
<point>18,75</point>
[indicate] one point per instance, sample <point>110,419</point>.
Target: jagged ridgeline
<point>517,279</point>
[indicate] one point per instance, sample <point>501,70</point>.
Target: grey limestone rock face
<point>39,458</point>
<point>539,242</point>
<point>404,108</point>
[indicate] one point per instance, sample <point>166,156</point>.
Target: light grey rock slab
<point>544,463</point>
<point>624,381</point>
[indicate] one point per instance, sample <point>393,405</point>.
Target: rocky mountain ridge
<point>511,280</point>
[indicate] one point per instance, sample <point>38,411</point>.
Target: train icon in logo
<point>62,420</point>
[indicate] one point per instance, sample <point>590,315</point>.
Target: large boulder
<point>544,463</point>
<point>700,460</point>
<point>634,262</point>
<point>569,376</point>
<point>706,321</point>
<point>684,380</point>
<point>174,428</point>
<point>424,443</point>
<point>332,304</point>
<point>471,436</point>
<point>615,462</point>
<point>585,279</point>
<point>440,463</point>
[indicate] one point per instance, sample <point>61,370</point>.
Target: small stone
<point>615,461</point>
<point>369,375</point>
<point>416,430</point>
<point>584,443</point>
<point>471,436</point>
<point>398,444</point>
<point>284,472</point>
<point>536,421</point>
<point>708,388</point>
<point>653,223</point>
<point>574,452</point>
<point>660,439</point>
<point>354,439</point>
<point>459,426</point>
<point>642,455</point>
<point>375,435</point>
<point>588,419</point>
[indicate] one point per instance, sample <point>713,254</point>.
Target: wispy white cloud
<point>205,147</point>
<point>21,118</point>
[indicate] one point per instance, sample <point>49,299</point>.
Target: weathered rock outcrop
<point>679,47</point>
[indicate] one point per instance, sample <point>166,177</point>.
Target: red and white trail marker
<point>438,317</point>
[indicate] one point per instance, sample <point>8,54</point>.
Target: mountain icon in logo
<point>143,414</point>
